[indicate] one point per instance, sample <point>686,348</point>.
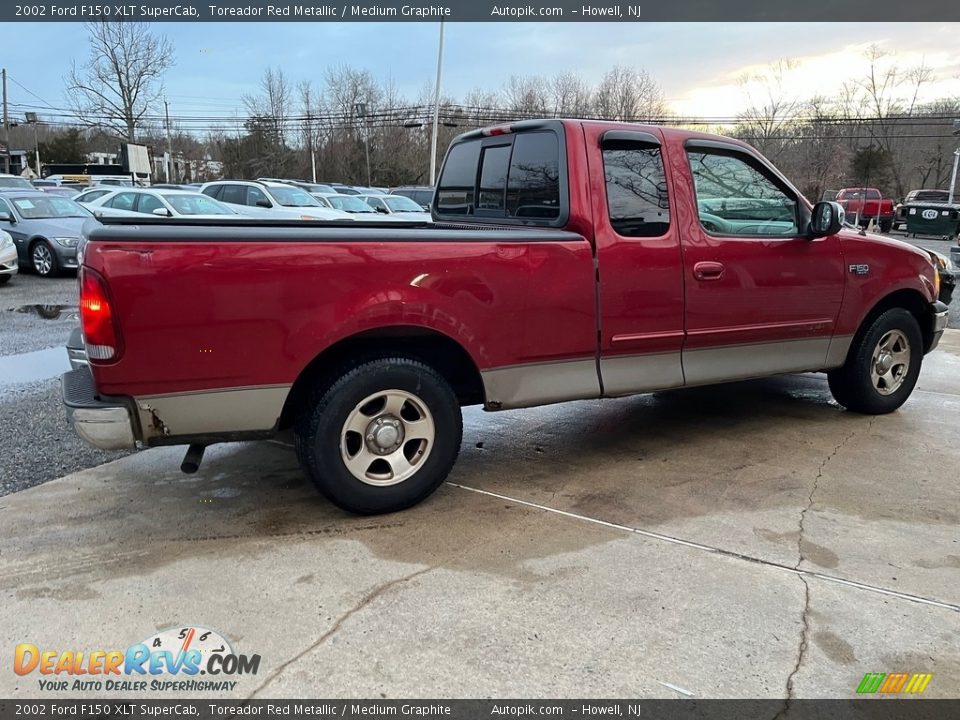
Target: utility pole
<point>436,112</point>
<point>169,163</point>
<point>6,127</point>
<point>360,109</point>
<point>32,119</point>
<point>956,160</point>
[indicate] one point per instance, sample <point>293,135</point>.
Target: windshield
<point>349,203</point>
<point>15,182</point>
<point>39,208</point>
<point>293,197</point>
<point>402,204</point>
<point>859,194</point>
<point>195,204</point>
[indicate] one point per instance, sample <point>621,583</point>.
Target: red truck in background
<point>568,260</point>
<point>863,205</point>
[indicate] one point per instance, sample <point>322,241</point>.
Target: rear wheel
<point>882,367</point>
<point>886,226</point>
<point>44,259</point>
<point>382,437</point>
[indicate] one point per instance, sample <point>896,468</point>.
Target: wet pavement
<point>752,539</point>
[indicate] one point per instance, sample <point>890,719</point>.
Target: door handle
<point>708,270</point>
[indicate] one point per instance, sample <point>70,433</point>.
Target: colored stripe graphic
<point>894,683</point>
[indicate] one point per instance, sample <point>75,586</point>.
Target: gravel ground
<point>36,443</point>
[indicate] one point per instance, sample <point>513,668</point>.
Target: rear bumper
<point>940,315</point>
<point>76,351</point>
<point>103,424</point>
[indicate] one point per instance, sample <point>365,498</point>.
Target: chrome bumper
<point>106,425</point>
<point>940,316</point>
<point>76,350</point>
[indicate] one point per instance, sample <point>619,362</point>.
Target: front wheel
<point>382,437</point>
<point>882,366</point>
<point>44,259</point>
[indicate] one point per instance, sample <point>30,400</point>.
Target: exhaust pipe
<point>193,458</point>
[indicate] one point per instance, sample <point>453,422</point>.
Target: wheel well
<point>440,352</point>
<point>909,300</point>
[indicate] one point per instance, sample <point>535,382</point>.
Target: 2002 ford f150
<point>569,260</point>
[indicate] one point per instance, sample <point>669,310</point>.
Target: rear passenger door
<point>639,262</point>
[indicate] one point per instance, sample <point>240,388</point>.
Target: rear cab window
<point>514,178</point>
<point>637,201</point>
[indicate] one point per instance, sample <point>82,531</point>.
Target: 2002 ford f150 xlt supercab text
<point>568,260</point>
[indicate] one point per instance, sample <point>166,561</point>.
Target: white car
<point>353,205</point>
<point>162,203</point>
<point>396,207</point>
<point>270,200</point>
<point>8,258</point>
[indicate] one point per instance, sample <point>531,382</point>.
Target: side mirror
<point>381,210</point>
<point>264,204</point>
<point>826,219</point>
<point>162,212</point>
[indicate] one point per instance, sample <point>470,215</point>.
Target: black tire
<point>4,279</point>
<point>44,259</point>
<point>318,435</point>
<point>886,226</point>
<point>853,386</point>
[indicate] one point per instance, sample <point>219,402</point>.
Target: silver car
<point>46,229</point>
<point>8,258</point>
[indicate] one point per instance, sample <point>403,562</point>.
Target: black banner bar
<point>850,11</point>
<point>874,709</point>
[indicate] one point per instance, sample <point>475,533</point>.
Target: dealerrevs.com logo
<point>182,659</point>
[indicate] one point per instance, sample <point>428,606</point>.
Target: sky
<point>696,64</point>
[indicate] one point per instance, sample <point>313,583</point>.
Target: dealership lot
<point>744,540</point>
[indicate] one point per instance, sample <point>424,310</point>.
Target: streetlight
<point>436,112</point>
<point>31,118</point>
<point>956,159</point>
<point>360,109</point>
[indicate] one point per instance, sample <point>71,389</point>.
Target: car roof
<point>22,191</point>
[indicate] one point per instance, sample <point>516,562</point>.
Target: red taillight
<point>100,332</point>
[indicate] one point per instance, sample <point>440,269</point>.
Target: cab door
<point>639,265</point>
<point>761,296</point>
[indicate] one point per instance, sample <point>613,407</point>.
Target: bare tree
<point>570,95</point>
<point>771,108</point>
<point>122,79</point>
<point>626,93</point>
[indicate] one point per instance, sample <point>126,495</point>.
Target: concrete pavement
<point>750,540</point>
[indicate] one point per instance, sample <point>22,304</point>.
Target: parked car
<point>580,261</point>
<point>352,204</point>
<point>948,272</point>
<point>61,190</point>
<point>397,207</point>
<point>312,188</point>
<point>39,184</point>
<point>162,203</point>
<point>922,196</point>
<point>421,195</point>
<point>8,258</point>
<point>344,189</point>
<point>88,196</point>
<point>864,205</point>
<point>270,199</point>
<point>45,229</point>
<point>14,181</point>
<point>169,186</point>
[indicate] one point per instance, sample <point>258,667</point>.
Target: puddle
<point>51,312</point>
<point>33,366</point>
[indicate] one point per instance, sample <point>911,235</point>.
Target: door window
<point>123,201</point>
<point>636,188</point>
<point>234,194</point>
<point>255,195</point>
<point>736,195</point>
<point>148,203</point>
<point>4,208</point>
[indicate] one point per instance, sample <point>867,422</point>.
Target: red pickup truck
<point>568,260</point>
<point>865,204</point>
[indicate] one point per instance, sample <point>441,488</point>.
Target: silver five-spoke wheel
<point>890,363</point>
<point>387,437</point>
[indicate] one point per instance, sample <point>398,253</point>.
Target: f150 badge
<point>860,269</point>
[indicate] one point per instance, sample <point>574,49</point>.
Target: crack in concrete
<point>375,593</point>
<point>805,615</point>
